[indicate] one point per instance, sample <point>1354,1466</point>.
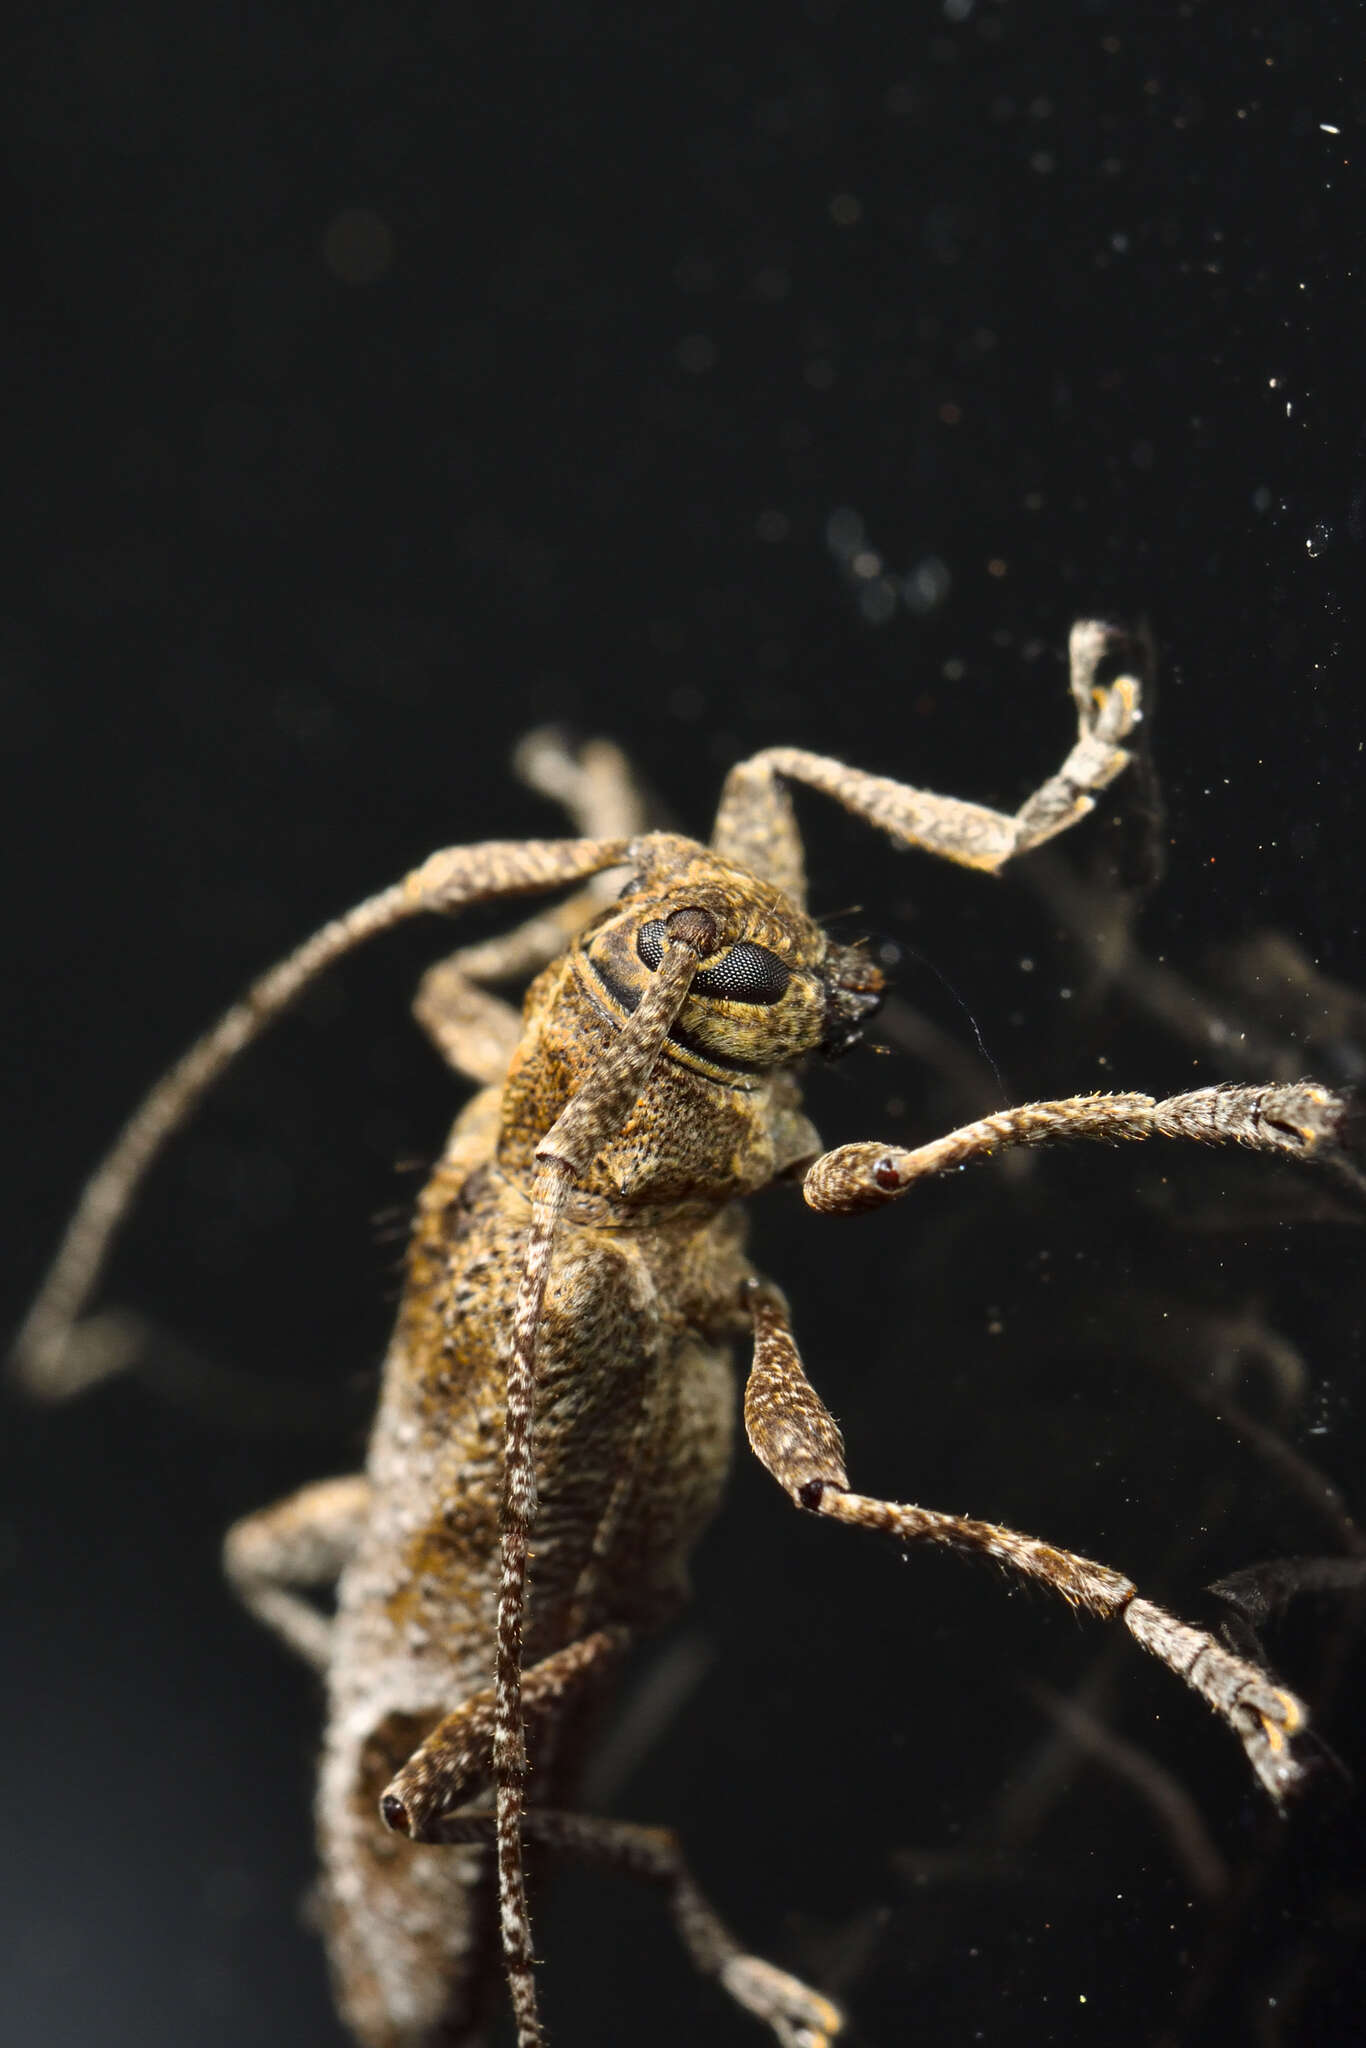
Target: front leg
<point>795,1438</point>
<point>756,825</point>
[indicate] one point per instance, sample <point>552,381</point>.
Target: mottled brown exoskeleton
<point>558,1400</point>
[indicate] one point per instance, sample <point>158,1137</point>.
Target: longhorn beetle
<point>557,1406</point>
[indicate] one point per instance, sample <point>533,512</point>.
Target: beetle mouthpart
<point>848,1007</point>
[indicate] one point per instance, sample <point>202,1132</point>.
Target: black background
<point>382,382</point>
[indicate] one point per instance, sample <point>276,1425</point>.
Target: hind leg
<point>303,1541</point>
<point>456,1760</point>
<point>797,2016</point>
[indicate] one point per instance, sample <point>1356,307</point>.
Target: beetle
<point>557,1408</point>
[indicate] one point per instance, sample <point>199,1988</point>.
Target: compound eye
<point>650,942</point>
<point>748,974</point>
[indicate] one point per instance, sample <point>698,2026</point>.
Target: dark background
<point>381,382</point>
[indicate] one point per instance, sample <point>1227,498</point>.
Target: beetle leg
<point>794,1437</point>
<point>305,1540</point>
<point>798,2016</point>
<point>1296,1121</point>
